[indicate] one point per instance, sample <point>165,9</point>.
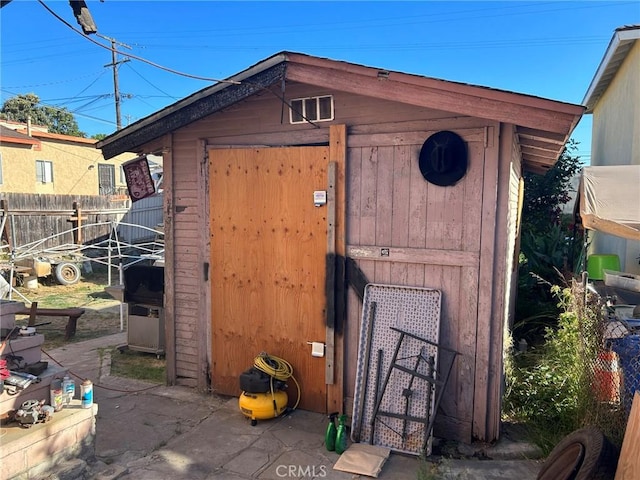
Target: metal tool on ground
<point>372,317</point>
<point>435,381</point>
<point>32,412</point>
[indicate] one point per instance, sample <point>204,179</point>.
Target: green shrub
<point>550,387</point>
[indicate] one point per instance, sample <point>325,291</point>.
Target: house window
<point>312,109</point>
<point>106,179</point>
<point>44,171</point>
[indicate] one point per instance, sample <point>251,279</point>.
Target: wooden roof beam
<point>541,135</point>
<point>463,99</point>
<point>525,148</point>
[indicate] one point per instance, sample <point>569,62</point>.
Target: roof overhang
<point>621,43</point>
<point>543,126</point>
<point>10,136</point>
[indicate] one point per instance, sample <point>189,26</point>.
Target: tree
<point>549,243</point>
<point>545,195</point>
<point>22,107</point>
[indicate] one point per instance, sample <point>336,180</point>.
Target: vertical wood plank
<point>629,462</point>
<point>351,329</point>
<point>338,154</point>
<point>485,294</point>
<point>169,255</point>
<point>418,188</point>
<point>436,214</point>
<point>354,192</point>
<point>400,209</point>
<point>498,146</point>
<point>368,197</point>
<point>330,287</point>
<point>384,196</point>
<point>204,271</point>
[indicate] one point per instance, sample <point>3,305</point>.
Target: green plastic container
<point>597,263</point>
<point>341,435</point>
<point>331,433</point>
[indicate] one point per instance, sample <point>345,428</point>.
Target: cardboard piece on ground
<point>363,459</point>
<point>629,462</point>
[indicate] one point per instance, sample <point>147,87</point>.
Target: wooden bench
<point>73,313</point>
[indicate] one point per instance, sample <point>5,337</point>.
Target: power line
<point>428,18</point>
<point>145,79</point>
<point>48,84</point>
<point>62,109</point>
<point>135,57</point>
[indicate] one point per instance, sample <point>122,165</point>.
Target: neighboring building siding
<point>616,117</point>
<point>75,167</point>
<point>616,141</point>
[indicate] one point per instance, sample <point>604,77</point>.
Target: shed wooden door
<point>268,248</point>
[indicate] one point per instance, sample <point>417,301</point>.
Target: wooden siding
<point>434,240</point>
<point>438,237</point>
<point>184,211</point>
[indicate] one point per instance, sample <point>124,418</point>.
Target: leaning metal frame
<point>111,252</point>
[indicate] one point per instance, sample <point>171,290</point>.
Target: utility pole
<point>114,64</point>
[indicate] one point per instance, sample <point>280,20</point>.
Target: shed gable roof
<point>543,126</point>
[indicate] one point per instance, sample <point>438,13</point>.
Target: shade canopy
<point>610,200</point>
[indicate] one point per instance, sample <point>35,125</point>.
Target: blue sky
<point>549,49</point>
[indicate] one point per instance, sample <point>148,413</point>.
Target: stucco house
<point>613,98</point>
<point>281,175</point>
<point>32,160</point>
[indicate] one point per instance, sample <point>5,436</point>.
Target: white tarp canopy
<point>610,200</point>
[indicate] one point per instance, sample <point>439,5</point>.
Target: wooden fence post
<point>5,232</point>
<point>76,221</point>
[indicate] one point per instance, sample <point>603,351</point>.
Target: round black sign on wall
<point>443,158</point>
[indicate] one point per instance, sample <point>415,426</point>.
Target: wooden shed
<point>251,243</point>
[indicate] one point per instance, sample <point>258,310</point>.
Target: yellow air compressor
<point>262,406</point>
<point>263,396</point>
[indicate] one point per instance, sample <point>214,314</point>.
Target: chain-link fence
<point>612,363</point>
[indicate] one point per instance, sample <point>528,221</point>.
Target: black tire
<point>67,273</point>
<point>585,454</point>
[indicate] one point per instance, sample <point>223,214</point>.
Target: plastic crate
<point>627,281</point>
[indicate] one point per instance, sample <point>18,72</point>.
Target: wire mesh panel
<point>413,310</point>
<point>628,350</point>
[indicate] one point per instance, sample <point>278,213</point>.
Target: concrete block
<point>33,451</point>
<point>28,347</point>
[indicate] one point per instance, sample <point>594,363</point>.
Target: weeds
<point>550,388</point>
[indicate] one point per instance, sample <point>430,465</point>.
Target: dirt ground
<point>102,312</point>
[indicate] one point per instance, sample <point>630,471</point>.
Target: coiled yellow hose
<point>277,368</point>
